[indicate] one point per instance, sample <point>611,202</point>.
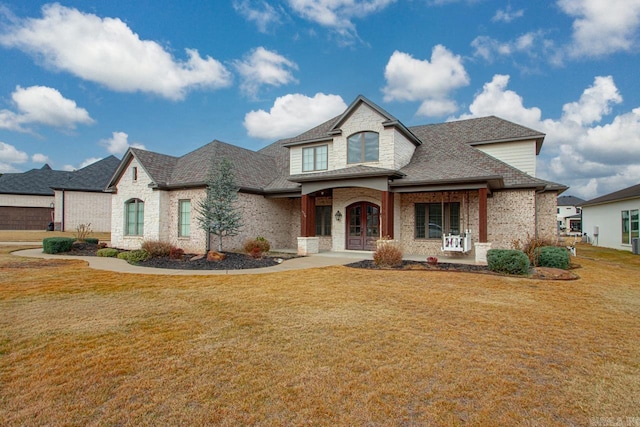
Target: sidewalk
<point>323,259</point>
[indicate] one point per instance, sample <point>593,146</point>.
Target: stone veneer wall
<point>272,219</point>
<point>84,208</point>
<point>547,204</point>
<point>511,215</point>
<point>127,189</point>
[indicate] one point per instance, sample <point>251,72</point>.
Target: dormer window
<point>362,147</point>
<point>314,158</point>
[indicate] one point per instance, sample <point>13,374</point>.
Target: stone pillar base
<point>481,250</point>
<point>308,245</point>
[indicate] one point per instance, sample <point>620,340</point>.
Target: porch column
<point>308,216</point>
<point>482,215</point>
<point>387,214</point>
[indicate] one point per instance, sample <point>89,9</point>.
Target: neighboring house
<point>348,182</point>
<point>570,215</point>
<point>35,199</point>
<point>612,220</point>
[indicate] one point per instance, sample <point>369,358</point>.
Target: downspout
<point>62,212</point>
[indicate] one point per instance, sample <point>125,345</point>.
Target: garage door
<point>15,218</point>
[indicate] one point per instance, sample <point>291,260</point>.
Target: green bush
<point>553,256</point>
<point>157,248</point>
<point>107,252</point>
<point>91,240</point>
<point>508,261</point>
<point>55,245</point>
<point>134,257</point>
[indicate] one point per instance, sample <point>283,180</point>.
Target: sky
<point>82,80</point>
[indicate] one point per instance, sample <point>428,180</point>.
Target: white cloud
<point>293,114</point>
<point>39,158</point>
<point>593,158</point>
<point>410,79</point>
<point>602,27</point>
<point>264,67</point>
<point>106,51</point>
<point>338,15</point>
<point>119,143</point>
<point>10,154</point>
<point>507,15</point>
<point>42,105</point>
<point>262,13</point>
<point>533,44</point>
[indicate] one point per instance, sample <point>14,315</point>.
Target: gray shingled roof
<point>446,155</point>
<point>570,201</point>
<point>41,182</point>
<point>626,193</point>
<point>253,170</point>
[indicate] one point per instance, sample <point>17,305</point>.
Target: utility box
<point>635,246</point>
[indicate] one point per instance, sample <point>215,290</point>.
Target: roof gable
<point>626,193</point>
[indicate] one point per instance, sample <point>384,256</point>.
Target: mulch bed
<point>541,273</point>
<point>232,261</point>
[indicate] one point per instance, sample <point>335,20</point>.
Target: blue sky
<point>81,80</point>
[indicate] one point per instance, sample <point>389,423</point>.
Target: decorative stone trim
<point>308,245</point>
<point>481,252</point>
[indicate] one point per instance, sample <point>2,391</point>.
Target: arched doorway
<point>363,226</point>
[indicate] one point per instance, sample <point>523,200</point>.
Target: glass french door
<point>363,226</point>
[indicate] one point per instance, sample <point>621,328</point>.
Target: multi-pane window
<point>323,220</point>
<point>184,218</point>
<point>433,219</point>
<point>362,147</point>
<point>630,225</point>
<point>314,158</point>
<point>134,217</point>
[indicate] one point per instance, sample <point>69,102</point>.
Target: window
<point>184,218</point>
<point>134,221</point>
<point>314,158</point>
<point>362,147</point>
<point>323,220</point>
<point>434,219</point>
<point>630,226</point>
<point>134,174</point>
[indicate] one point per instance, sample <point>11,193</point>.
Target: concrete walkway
<point>323,259</point>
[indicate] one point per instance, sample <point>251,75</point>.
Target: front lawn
<point>332,346</point>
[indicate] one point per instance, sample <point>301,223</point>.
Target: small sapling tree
<point>217,212</point>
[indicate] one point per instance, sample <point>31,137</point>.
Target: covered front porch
<point>449,225</point>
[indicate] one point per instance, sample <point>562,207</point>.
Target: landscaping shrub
<point>107,252</point>
<point>91,240</point>
<point>553,256</point>
<point>388,255</point>
<point>134,257</point>
<point>55,245</point>
<point>176,253</point>
<point>157,248</point>
<point>509,261</point>
<point>256,247</point>
<point>82,231</point>
<point>530,247</point>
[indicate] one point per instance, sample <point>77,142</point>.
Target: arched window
<point>134,217</point>
<point>362,147</point>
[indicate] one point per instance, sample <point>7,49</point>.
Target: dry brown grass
<point>336,346</point>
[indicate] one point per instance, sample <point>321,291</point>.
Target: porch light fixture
<point>338,216</point>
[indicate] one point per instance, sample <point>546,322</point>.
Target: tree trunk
<point>220,243</point>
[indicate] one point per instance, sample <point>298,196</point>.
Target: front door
<point>363,226</point>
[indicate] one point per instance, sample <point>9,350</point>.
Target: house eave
<point>372,174</point>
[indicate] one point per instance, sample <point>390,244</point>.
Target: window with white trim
<point>184,218</point>
<point>314,158</point>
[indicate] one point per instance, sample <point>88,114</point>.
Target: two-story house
<point>461,186</point>
<point>569,215</point>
